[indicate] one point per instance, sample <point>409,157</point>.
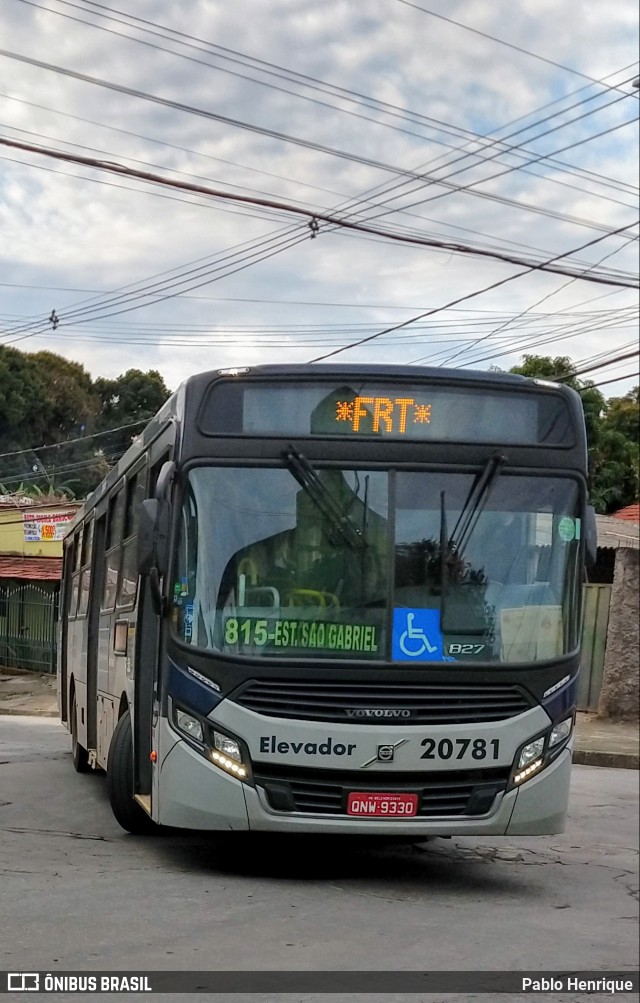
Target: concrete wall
<point>620,693</point>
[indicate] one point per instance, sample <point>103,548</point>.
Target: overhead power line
<point>270,247</point>
<point>490,334</point>
<point>270,133</point>
<point>603,383</point>
<point>80,438</point>
<point>499,41</point>
<point>600,365</point>
<point>558,335</point>
<point>455,302</point>
<point>502,148</point>
<point>319,217</point>
<point>269,71</point>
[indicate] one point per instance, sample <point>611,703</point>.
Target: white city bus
<point>334,599</point>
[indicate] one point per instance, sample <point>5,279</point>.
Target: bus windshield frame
<point>387,566</point>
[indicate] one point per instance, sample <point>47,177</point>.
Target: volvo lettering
<point>389,713</point>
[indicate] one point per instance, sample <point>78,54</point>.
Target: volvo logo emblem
<point>384,754</point>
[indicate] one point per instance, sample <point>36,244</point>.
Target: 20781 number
<point>479,748</point>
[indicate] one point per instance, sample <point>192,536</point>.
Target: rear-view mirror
<point>153,536</point>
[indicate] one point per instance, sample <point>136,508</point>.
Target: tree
<point>22,400</point>
<point>133,397</point>
<point>617,458</point>
<point>49,411</point>
<point>71,410</point>
<point>44,400</point>
<point>623,414</point>
<point>71,400</point>
<point>130,399</point>
<point>612,432</point>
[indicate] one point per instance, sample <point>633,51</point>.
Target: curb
<point>613,760</point>
<point>25,712</point>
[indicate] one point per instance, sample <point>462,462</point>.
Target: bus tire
<point>128,812</point>
<point>80,756</point>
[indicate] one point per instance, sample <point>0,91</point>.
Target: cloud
<point>366,69</point>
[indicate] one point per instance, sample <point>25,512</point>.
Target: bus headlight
<point>527,771</point>
<point>529,761</point>
<point>530,752</point>
<point>560,732</point>
<point>188,724</point>
<point>540,752</point>
<point>228,746</point>
<point>227,754</point>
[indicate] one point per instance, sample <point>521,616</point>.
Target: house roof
<point>31,568</point>
<point>617,533</point>
<point>15,501</point>
<point>630,513</point>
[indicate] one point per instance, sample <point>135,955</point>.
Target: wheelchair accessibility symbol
<point>417,635</point>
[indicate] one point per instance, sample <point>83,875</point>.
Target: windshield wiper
<point>475,504</point>
<point>466,620</point>
<point>323,499</point>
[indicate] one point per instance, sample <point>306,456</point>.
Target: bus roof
<point>197,383</point>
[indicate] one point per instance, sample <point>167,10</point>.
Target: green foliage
<point>70,400</point>
<point>45,400</point>
<point>616,460</point>
<point>52,495</point>
<point>22,394</point>
<point>613,432</point>
<point>135,396</point>
<point>623,414</point>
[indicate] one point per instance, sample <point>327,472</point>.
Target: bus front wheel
<point>120,781</point>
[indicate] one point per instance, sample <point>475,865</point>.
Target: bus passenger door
<point>145,689</point>
<point>93,618</point>
<point>148,652</point>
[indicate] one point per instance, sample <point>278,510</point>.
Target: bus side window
<point>85,573</point>
<point>116,520</point>
<point>75,580</point>
<point>128,586</point>
<point>114,540</point>
<point>77,550</point>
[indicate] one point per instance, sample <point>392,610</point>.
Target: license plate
<point>380,805</point>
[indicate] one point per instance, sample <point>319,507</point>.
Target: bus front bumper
<point>195,794</point>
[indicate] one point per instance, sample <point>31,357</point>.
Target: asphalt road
<point>78,893</point>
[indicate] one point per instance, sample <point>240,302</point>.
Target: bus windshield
<point>387,566</point>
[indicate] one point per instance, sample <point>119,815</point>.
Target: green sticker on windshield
<point>567,529</point>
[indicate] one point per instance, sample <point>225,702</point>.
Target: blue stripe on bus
<point>190,691</point>
<point>561,703</point>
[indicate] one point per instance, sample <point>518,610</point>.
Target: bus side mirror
<point>590,537</point>
<point>153,536</point>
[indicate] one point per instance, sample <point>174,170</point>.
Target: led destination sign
<point>305,634</point>
<point>384,414</point>
<point>429,412</point>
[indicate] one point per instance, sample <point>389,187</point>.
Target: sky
<point>504,129</point>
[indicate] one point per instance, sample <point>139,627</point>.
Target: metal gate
<point>28,632</point>
<point>594,642</point>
